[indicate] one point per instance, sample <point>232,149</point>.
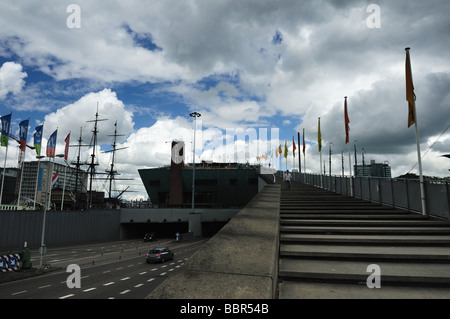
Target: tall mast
<point>93,163</point>
<point>111,172</point>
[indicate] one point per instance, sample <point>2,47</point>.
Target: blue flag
<point>23,132</point>
<point>6,128</point>
<point>51,144</point>
<point>38,139</point>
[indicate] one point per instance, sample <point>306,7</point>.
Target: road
<point>115,270</point>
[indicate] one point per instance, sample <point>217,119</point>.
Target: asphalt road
<point>114,270</point>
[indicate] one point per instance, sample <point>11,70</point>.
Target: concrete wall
<point>160,215</point>
<point>239,262</point>
<point>62,228</point>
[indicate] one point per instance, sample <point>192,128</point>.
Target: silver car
<point>159,254</point>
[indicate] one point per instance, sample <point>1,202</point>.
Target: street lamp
<point>194,115</point>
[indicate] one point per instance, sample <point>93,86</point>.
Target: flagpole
<point>4,169</point>
<point>320,153</point>
<point>419,157</point>
<point>8,128</point>
<point>304,155</point>
<point>348,145</point>
<point>293,154</point>
<point>21,179</point>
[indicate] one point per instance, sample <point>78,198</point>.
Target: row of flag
<point>51,144</point>
<point>22,139</point>
<point>410,97</point>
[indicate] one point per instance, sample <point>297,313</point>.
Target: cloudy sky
<point>244,65</point>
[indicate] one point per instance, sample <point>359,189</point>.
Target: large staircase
<point>330,242</point>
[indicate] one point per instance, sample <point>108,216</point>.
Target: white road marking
<point>66,296</point>
<point>19,292</point>
<point>126,278</point>
<point>138,285</point>
<point>89,289</point>
<point>41,287</point>
<point>142,273</point>
<point>125,292</point>
<point>109,283</point>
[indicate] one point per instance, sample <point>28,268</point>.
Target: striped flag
<point>54,178</point>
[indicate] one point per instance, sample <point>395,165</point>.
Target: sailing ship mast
<point>93,162</point>
<point>112,172</point>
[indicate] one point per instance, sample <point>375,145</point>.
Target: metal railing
<point>396,192</point>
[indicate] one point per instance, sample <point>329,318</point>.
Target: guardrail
<point>14,261</point>
<point>396,192</point>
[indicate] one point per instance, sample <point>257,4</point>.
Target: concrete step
<point>365,230</point>
<point>364,223</point>
<point>356,271</point>
<point>370,253</point>
<point>361,212</point>
<point>333,239</point>
<point>322,290</point>
<point>325,202</point>
<point>325,216</point>
<point>299,208</point>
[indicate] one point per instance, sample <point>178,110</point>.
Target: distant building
<point>8,195</point>
<point>374,169</point>
<point>217,185</point>
<point>36,178</point>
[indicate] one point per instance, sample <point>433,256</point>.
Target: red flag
<point>304,142</point>
<point>294,148</point>
<point>347,120</point>
<point>66,149</point>
<point>54,178</point>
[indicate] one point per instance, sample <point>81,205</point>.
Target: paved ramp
<point>328,241</point>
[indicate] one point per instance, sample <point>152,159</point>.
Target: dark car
<point>159,254</point>
<point>150,237</point>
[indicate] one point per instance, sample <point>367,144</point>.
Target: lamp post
<point>39,157</point>
<point>194,115</point>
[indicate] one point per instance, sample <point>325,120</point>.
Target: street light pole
<point>194,115</point>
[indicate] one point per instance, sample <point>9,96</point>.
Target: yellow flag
<point>285,150</point>
<point>410,96</point>
<point>319,138</point>
<point>280,150</point>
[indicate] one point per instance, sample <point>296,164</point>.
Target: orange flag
<point>410,96</point>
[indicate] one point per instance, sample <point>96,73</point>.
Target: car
<point>149,237</point>
<point>159,254</point>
